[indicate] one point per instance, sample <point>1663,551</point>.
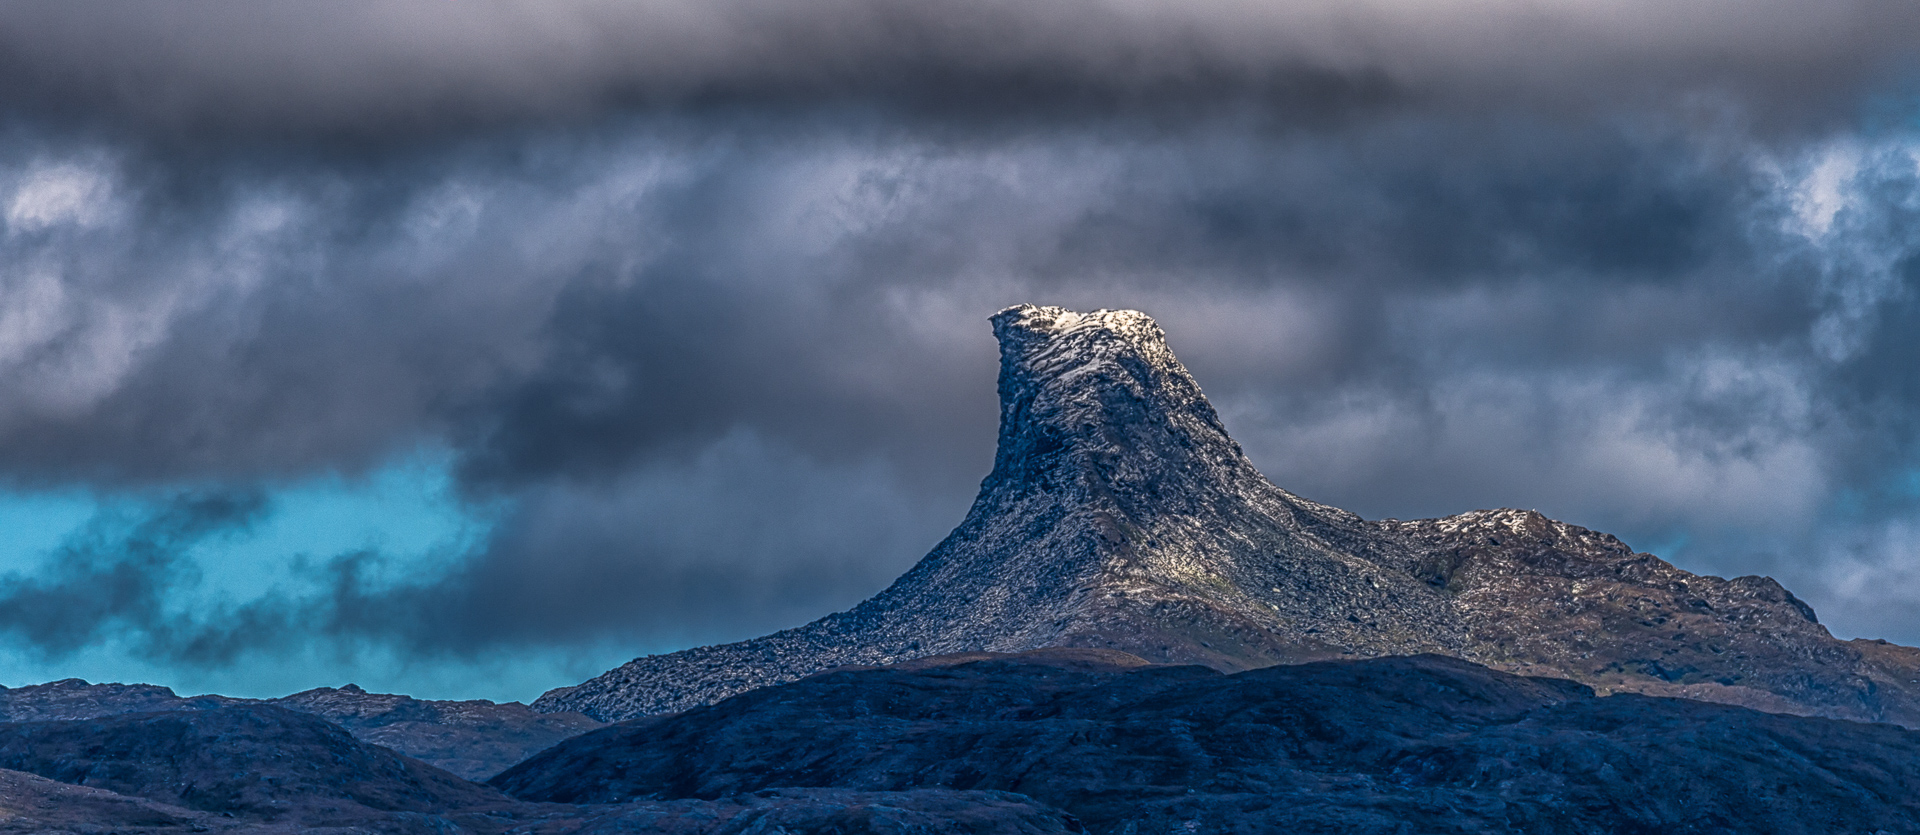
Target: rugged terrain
<point>1425,744</point>
<point>472,739</point>
<point>1120,515</point>
<point>247,761</point>
<point>1052,741</point>
<point>215,765</point>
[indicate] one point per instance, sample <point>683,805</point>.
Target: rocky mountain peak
<point>1098,396</point>
<point>1051,345</point>
<point>1119,515</point>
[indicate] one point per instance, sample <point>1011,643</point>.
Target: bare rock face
<point>1120,515</point>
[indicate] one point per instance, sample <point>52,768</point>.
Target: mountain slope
<point>1120,515</point>
<point>1547,598</point>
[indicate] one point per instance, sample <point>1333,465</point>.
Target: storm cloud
<point>372,69</point>
<point>116,578</point>
<point>692,296</point>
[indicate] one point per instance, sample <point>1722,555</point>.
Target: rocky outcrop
<point>1120,515</point>
<point>1410,744</point>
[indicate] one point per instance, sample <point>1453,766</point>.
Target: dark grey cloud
<point>367,69</point>
<point>694,295</point>
<point>742,539</point>
<point>565,566</point>
<point>118,577</point>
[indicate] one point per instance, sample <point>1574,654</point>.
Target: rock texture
<point>1119,514</point>
<point>1424,744</point>
<point>472,739</point>
<point>1547,598</point>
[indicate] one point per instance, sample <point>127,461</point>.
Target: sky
<point>467,348</point>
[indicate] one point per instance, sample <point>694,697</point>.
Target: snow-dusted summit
<point>1120,515</point>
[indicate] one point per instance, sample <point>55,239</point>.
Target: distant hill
<point>472,739</point>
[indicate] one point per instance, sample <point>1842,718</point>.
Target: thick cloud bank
<point>693,295</point>
<point>364,68</point>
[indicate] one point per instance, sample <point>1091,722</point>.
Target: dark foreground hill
<point>1119,514</point>
<point>245,761</point>
<point>1422,744</point>
<point>31,803</point>
<point>214,766</point>
<point>1058,741</point>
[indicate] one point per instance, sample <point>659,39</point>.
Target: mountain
<point>1119,514</point>
<point>1425,744</point>
<point>472,739</point>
